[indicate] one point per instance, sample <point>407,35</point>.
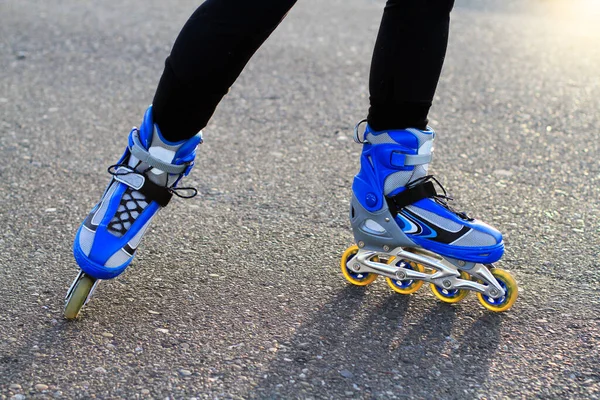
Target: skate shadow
<point>339,347</point>
<point>455,355</point>
<point>476,351</point>
<point>359,347</point>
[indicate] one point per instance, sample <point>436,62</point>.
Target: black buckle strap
<point>160,194</point>
<point>410,196</point>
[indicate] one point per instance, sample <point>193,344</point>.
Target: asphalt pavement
<point>237,293</point>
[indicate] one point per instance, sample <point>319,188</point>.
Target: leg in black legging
<point>407,62</point>
<point>209,54</point>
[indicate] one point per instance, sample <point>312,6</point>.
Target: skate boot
<point>143,181</point>
<point>406,231</point>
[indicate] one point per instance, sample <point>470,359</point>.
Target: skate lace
<point>186,192</point>
<point>441,199</point>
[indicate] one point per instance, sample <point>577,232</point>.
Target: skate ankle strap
<point>138,181</point>
<point>410,196</point>
<point>398,159</point>
<point>140,152</point>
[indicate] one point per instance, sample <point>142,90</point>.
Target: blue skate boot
<point>398,215</point>
<point>143,181</point>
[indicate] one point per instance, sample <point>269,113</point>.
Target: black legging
<point>222,35</point>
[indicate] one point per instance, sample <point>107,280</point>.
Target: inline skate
<point>407,232</point>
<point>143,181</point>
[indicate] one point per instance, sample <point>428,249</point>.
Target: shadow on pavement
<point>362,346</point>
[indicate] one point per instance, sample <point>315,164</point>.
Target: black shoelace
<point>441,199</point>
<point>182,192</point>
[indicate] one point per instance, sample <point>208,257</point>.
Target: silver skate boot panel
<point>474,238</point>
<point>391,236</point>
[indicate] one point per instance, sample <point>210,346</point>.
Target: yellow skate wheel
<point>355,278</point>
<point>451,295</point>
<point>407,286</point>
<point>509,284</point>
<point>78,296</point>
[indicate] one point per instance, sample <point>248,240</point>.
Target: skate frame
<point>446,275</point>
<point>70,291</point>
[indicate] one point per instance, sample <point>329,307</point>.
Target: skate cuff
<point>140,152</point>
<point>410,196</point>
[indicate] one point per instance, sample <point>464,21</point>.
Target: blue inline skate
<point>143,181</point>
<point>406,231</point>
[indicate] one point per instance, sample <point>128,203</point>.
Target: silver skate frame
<point>77,278</point>
<point>446,275</point>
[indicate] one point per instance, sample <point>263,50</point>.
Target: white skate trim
<point>436,220</point>
<point>129,178</point>
<point>117,259</point>
<point>103,206</point>
<point>86,240</point>
<point>133,243</point>
<point>147,157</point>
<point>373,227</point>
<point>162,154</point>
<point>474,238</point>
<point>413,227</point>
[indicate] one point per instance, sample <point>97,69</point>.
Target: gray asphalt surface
<point>237,293</point>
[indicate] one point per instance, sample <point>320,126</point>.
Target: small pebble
<point>100,370</point>
<point>145,391</point>
<point>185,372</point>
<point>18,397</point>
<point>107,334</point>
<point>346,374</point>
<point>14,386</point>
<point>162,330</point>
<point>41,386</point>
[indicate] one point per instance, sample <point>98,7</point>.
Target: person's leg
<point>407,62</point>
<point>207,57</point>
<point>209,54</point>
<point>395,203</point>
<point>396,210</point>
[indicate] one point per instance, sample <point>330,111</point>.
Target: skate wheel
<point>405,286</point>
<point>509,284</point>
<point>451,295</point>
<point>78,296</point>
<point>355,278</point>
